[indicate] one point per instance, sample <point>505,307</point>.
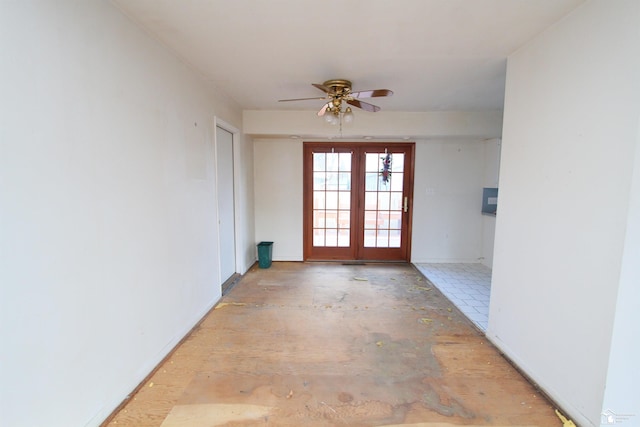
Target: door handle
<point>406,204</point>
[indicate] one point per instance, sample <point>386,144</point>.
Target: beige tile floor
<point>468,286</point>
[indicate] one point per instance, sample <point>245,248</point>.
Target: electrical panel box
<point>489,201</point>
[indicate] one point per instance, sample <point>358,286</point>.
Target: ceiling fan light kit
<point>338,91</point>
<point>347,116</point>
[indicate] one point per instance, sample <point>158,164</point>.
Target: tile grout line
<point>468,286</point>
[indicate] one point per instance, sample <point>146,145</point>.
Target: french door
<point>357,201</point>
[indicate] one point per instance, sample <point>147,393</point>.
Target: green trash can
<point>265,250</point>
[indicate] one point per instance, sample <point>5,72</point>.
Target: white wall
<point>447,224</point>
<point>108,252</point>
<point>450,168</point>
<point>245,202</point>
<point>385,125</point>
<point>278,196</point>
<point>569,138</point>
<point>623,376</point>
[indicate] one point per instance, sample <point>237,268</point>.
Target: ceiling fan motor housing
<point>340,88</point>
<point>338,85</point>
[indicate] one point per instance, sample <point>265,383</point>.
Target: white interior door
<point>226,210</point>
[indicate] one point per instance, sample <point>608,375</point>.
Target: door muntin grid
<point>383,201</point>
<point>331,199</point>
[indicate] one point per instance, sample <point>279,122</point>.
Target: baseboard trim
<point>147,378</point>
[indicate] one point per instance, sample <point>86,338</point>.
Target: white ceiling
<point>434,54</point>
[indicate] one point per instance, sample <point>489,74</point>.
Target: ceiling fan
<point>339,90</point>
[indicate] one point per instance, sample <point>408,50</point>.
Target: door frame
<point>357,230</point>
<point>219,123</point>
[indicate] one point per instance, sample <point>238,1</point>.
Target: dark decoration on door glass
<point>386,167</point>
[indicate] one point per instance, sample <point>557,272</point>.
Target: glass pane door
<point>356,201</point>
<point>328,202</point>
<point>331,199</point>
<point>383,200</point>
<point>386,174</point>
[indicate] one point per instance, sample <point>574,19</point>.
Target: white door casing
<point>226,202</point>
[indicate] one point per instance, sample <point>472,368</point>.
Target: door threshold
<point>360,262</point>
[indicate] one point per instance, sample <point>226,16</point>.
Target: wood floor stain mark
<point>211,414</point>
<point>345,397</point>
<point>358,413</point>
<point>446,406</point>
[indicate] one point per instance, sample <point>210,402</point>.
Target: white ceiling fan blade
<point>364,105</point>
<point>371,93</point>
<point>302,99</point>
<point>323,109</point>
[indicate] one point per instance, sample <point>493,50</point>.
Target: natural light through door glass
<point>383,200</point>
<point>331,199</point>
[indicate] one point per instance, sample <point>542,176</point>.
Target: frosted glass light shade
<point>348,115</point>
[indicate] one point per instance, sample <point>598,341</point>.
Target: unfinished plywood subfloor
<point>315,344</point>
